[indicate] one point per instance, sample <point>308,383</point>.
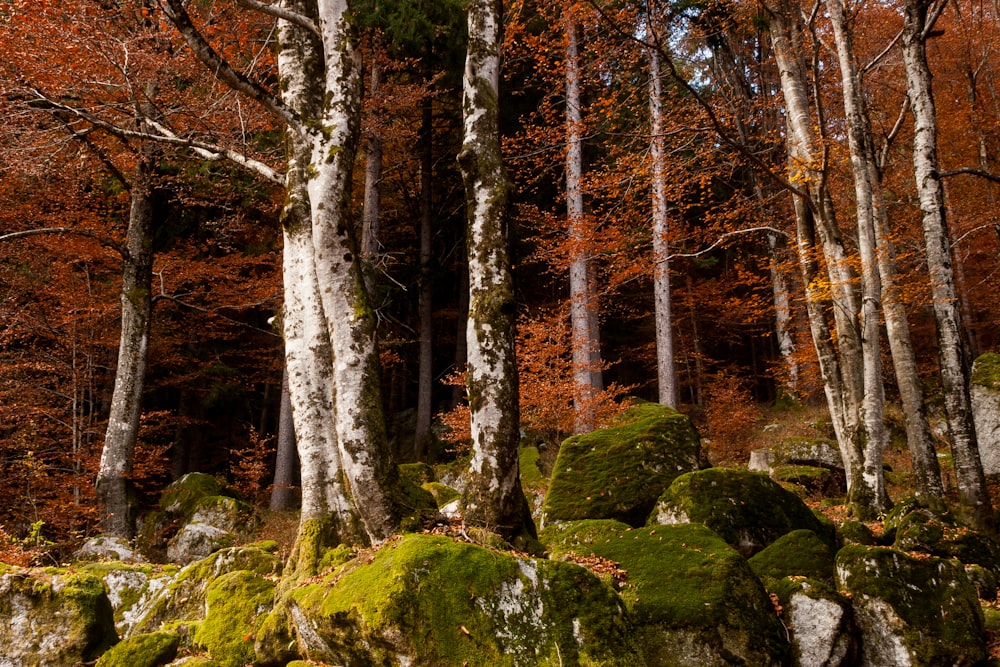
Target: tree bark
<point>493,497</point>
<point>114,491</point>
<point>973,494</point>
<point>286,459</point>
<point>663,313</point>
<point>425,352</point>
<point>371,215</point>
<point>582,295</point>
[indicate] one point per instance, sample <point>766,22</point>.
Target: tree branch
<point>723,237</point>
<point>281,13</point>
<point>972,171</point>
<point>220,67</point>
<point>103,240</point>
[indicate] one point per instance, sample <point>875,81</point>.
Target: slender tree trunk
<point>583,298</point>
<point>425,353</point>
<point>113,487</point>
<point>665,373</point>
<point>784,324</point>
<point>286,460</point>
<point>493,497</point>
<point>373,196</point>
<point>873,403</point>
<point>973,494</point>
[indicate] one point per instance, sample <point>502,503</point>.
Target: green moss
<point>181,497</point>
<point>811,479</point>
<point>938,611</point>
<point>237,603</point>
<point>916,528</point>
<point>799,553</point>
<point>417,473</point>
<point>682,581</point>
<point>531,474</point>
<point>854,532</point>
<point>442,602</point>
<point>418,505</point>
<point>986,371</point>
<point>619,472</point>
<point>149,650</point>
<point>442,494</point>
<point>748,510</point>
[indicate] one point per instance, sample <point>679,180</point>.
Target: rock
<point>820,623</point>
<point>534,483</point>
<point>108,547</point>
<point>911,611</point>
<point>196,541</point>
<point>129,588</point>
<point>52,618</point>
<point>237,603</point>
<point>852,531</point>
<point>919,529</point>
<point>180,497</point>
<point>747,509</point>
<point>429,600</point>
<point>184,598</point>
<point>619,472</point>
<point>812,480</point>
<point>152,650</point>
<point>442,494</point>
<point>984,391</point>
<point>817,452</point>
<point>800,553</point>
<point>693,598</point>
<point>212,524</point>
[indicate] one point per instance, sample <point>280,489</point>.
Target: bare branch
<point>883,157</point>
<point>719,241</point>
<point>888,47</point>
<point>220,67</point>
<point>282,13</point>
<point>972,171</point>
<point>103,240</point>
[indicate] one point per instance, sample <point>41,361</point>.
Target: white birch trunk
<point>973,494</point>
<point>493,497</point>
<point>583,298</point>
<point>665,374</point>
<point>113,486</point>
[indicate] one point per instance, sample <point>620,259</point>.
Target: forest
<point>293,244</point>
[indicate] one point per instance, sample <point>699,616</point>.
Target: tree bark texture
<point>663,313</point>
<point>113,486</point>
<point>969,475</point>
<point>286,459</point>
<point>493,497</point>
<point>584,323</point>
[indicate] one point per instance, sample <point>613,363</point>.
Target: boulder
<point>984,392</point>
<point>52,617</point>
<point>820,623</point>
<point>130,587</point>
<point>800,553</point>
<point>430,600</point>
<point>693,598</point>
<point>237,603</point>
<point>108,547</point>
<point>181,496</point>
<point>152,650</point>
<point>619,472</point>
<point>183,598</point>
<point>802,451</point>
<point>911,611</point>
<point>212,524</point>
<point>747,509</point>
<point>916,528</point>
<point>812,480</point>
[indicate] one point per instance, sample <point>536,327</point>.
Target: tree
<point>919,17</point>
<point>493,496</point>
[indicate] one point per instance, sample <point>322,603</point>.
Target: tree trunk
<point>286,460</point>
<point>373,201</point>
<point>973,494</point>
<point>425,352</point>
<point>493,497</point>
<point>113,487</point>
<point>873,403</point>
<point>583,298</point>
<point>784,323</point>
<point>665,373</point>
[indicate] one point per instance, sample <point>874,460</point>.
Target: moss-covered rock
<point>442,494</point>
<point>813,480</point>
<point>418,473</point>
<point>428,600</point>
<point>180,498</point>
<point>108,548</point>
<point>918,529</point>
<point>984,392</point>
<point>852,531</point>
<point>418,504</point>
<point>911,611</point>
<point>800,553</point>
<point>619,472</point>
<point>749,510</point>
<point>533,481</point>
<point>151,650</point>
<point>183,598</point>
<point>237,603</point>
<point>53,617</point>
<point>694,599</point>
<point>214,523</point>
<point>130,587</point>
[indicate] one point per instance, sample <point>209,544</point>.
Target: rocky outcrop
<point>747,509</point>
<point>52,618</point>
<point>619,472</point>
<point>693,598</point>
<point>911,611</point>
